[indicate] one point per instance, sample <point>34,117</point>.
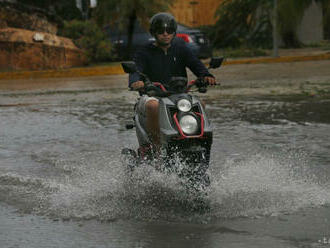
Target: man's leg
<point>152,123</point>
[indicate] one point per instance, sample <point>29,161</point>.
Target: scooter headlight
<point>184,105</point>
<point>189,124</point>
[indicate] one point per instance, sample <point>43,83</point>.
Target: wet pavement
<point>63,183</point>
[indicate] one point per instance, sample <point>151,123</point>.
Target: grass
<point>242,52</point>
<point>324,45</point>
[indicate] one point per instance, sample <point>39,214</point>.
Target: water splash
<point>100,187</point>
<point>106,190</point>
<point>266,185</point>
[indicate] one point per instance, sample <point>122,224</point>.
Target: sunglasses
<point>165,29</point>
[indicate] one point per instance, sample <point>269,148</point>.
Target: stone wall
<point>25,17</point>
<point>28,50</point>
<point>28,40</point>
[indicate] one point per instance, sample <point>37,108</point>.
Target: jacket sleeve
<point>194,64</point>
<point>140,61</point>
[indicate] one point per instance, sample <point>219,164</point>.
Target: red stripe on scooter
<point>160,86</point>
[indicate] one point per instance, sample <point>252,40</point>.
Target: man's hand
<point>210,80</point>
<point>137,85</point>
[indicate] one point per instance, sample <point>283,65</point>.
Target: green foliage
<point>289,17</point>
<point>326,19</point>
<point>249,22</point>
<point>89,37</point>
<point>243,22</point>
<point>118,12</point>
<point>66,9</point>
<point>43,4</point>
<point>290,14</point>
<point>124,13</point>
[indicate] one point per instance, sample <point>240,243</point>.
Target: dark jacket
<point>161,67</point>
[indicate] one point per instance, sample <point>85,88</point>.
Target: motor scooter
<point>185,131</point>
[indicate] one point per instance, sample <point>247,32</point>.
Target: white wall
<point>79,4</point>
<point>93,3</point>
<point>311,27</point>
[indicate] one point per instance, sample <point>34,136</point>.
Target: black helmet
<point>161,21</point>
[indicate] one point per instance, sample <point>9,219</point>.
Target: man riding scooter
<point>160,61</point>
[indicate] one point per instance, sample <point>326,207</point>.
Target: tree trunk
<point>130,33</point>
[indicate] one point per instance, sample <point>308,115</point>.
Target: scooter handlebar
<point>200,84</point>
<point>155,89</point>
<point>158,89</point>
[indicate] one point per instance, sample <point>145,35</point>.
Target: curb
<point>60,73</point>
<point>117,70</point>
<point>284,59</point>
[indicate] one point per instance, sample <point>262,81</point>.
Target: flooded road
<point>63,184</point>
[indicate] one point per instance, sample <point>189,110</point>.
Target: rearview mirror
<point>216,62</point>
<point>129,67</point>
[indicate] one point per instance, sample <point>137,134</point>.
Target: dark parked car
<point>194,38</point>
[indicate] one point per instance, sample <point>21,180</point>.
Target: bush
<point>89,37</point>
<point>249,22</point>
<point>326,20</point>
<point>242,23</point>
